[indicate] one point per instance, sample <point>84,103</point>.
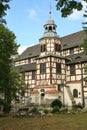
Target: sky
<point>26,19</point>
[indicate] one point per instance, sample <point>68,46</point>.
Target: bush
<point>3,103</point>
<point>77,106</point>
<point>55,109</point>
<point>75,111</point>
<point>46,111</point>
<point>34,110</point>
<point>56,103</point>
<point>64,110</point>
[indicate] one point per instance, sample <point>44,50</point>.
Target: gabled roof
<point>76,58</point>
<point>51,55</point>
<point>72,40</point>
<point>67,42</point>
<point>26,67</point>
<point>30,52</point>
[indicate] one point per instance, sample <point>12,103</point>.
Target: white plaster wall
<point>53,70</point>
<point>67,100</point>
<point>78,71</point>
<point>68,79</point>
<point>48,70</point>
<point>78,87</point>
<point>78,77</point>
<point>72,78</point>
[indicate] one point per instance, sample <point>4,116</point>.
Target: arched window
<point>50,28</point>
<point>75,93</point>
<point>54,28</point>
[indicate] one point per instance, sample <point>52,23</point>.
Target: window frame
<point>57,47</point>
<point>75,93</point>
<point>72,70</point>
<point>58,68</point>
<point>33,75</point>
<point>42,68</point>
<point>43,48</point>
<point>59,87</point>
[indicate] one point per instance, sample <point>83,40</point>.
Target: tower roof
<point>50,21</point>
<point>50,29</point>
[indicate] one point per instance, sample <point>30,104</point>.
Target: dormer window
<point>43,48</point>
<point>30,54</point>
<point>65,45</point>
<point>78,57</point>
<point>72,51</point>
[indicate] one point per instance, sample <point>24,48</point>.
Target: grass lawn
<point>55,122</point>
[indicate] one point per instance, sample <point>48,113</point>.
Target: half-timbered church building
<point>54,68</point>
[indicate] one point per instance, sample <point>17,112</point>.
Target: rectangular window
<point>58,68</point>
<point>43,48</point>
<point>33,75</point>
<point>57,48</point>
<point>72,69</point>
<point>43,68</point>
<point>29,60</point>
<point>59,87</point>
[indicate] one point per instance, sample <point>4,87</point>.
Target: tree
<point>11,82</point>
<point>66,7</point>
<point>8,50</point>
<point>17,83</point>
<point>3,8</point>
<point>85,23</point>
<point>84,44</point>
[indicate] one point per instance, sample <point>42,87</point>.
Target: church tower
<point>50,41</point>
<point>50,66</point>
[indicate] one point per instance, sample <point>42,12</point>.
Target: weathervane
<point>50,12</point>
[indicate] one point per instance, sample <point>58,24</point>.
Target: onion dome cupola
<point>50,25</point>
<point>50,29</point>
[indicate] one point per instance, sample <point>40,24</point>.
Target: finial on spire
<point>50,12</point>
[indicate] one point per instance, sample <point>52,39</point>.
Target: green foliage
<point>55,109</point>
<point>64,110</point>
<point>85,23</point>
<point>18,84</point>
<point>84,44</point>
<point>67,6</point>
<point>8,51</point>
<point>75,110</point>
<point>2,102</point>
<point>34,110</point>
<point>46,111</point>
<point>56,103</point>
<point>77,106</point>
<point>4,6</point>
<point>5,105</point>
